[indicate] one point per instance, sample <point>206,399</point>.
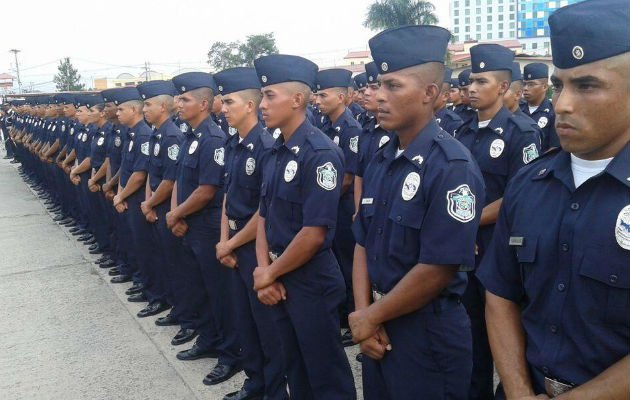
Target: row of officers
<point>269,208</point>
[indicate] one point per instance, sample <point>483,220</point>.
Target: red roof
<point>4,75</point>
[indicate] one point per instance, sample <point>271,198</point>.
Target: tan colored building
<point>127,79</point>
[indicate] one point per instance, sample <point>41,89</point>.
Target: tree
<point>224,55</point>
<point>68,78</point>
<point>384,14</point>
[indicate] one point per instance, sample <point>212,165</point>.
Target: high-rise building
<point>483,20</point>
<point>533,30</point>
<point>491,20</point>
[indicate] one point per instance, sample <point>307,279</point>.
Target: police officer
<point>163,153</point>
<point>501,143</point>
<point>537,105</point>
<point>297,271</point>
<point>447,119</point>
<point>218,117</point>
<point>196,216</point>
<point>454,96</point>
<point>556,274</point>
<point>246,155</point>
<point>512,97</point>
<point>344,130</point>
<point>360,81</point>
<point>373,136</point>
<point>416,227</point>
<point>131,192</point>
<point>464,110</point>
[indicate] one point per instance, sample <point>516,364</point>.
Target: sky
<point>105,38</point>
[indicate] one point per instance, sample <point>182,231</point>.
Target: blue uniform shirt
<point>422,207</point>
<point>115,145</point>
<point>345,132</point>
<point>372,138</point>
<point>84,142</point>
<point>245,162</point>
<point>301,186</point>
<point>221,122</point>
<point>466,113</point>
<point>545,117</point>
<point>98,149</point>
<point>201,161</point>
<point>165,143</point>
<point>563,255</point>
<point>135,157</point>
<point>448,120</point>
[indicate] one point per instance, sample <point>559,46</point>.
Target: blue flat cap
<point>516,72</point>
<point>589,31</point>
<point>280,68</point>
<point>490,57</point>
<point>156,88</point>
<point>361,80</point>
<point>334,78</point>
<point>454,83</point>
<point>371,70</point>
<point>236,79</point>
<point>464,77</point>
<point>194,80</point>
<point>536,71</point>
<point>122,95</point>
<point>406,46</point>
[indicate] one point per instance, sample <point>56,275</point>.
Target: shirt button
<point>565,247</point>
<point>477,141</point>
<point>374,258</point>
<point>389,173</point>
<point>553,329</point>
<point>613,278</point>
<point>380,231</point>
<point>384,202</point>
<point>561,287</point>
<point>398,218</point>
<point>575,206</point>
<point>545,370</point>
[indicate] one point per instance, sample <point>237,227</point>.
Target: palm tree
<point>383,14</point>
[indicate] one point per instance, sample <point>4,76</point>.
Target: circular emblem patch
<point>578,52</point>
<point>622,228</point>
<point>156,150</point>
<point>496,148</point>
<point>250,166</point>
<point>290,170</point>
<point>130,145</point>
<point>410,186</point>
<point>542,122</point>
<point>193,147</point>
<point>100,141</point>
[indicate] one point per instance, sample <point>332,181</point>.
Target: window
<point>546,44</point>
<point>467,37</point>
<point>478,37</point>
<point>489,35</point>
<point>478,2</point>
<point>467,11</point>
<point>456,21</point>
<point>501,26</point>
<point>500,17</point>
<point>467,3</point>
<point>512,17</point>
<point>534,45</point>
<point>456,4</point>
<point>489,27</point>
<point>511,25</point>
<point>489,18</point>
<point>456,13</point>
<point>500,35</point>
<point>500,9</point>
<point>524,46</point>
<point>512,7</point>
<point>467,20</point>
<point>467,29</point>
<point>489,10</point>
<point>456,29</point>
<point>478,20</point>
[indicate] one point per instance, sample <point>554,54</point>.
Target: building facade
<point>483,20</point>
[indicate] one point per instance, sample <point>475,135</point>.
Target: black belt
<point>436,305</point>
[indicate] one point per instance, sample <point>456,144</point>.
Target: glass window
<point>489,35</point>
<point>456,29</point>
<point>500,35</point>
<point>479,20</point>
<point>489,18</point>
<point>467,29</point>
<point>467,3</point>
<point>489,27</point>
<point>478,10</point>
<point>489,10</point>
<point>500,9</point>
<point>500,17</point>
<point>467,20</point>
<point>534,45</point>
<point>478,36</point>
<point>456,13</point>
<point>456,21</point>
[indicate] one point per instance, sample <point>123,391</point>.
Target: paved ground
<point>66,332</point>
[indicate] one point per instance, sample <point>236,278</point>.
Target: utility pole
<point>17,69</point>
<point>146,71</point>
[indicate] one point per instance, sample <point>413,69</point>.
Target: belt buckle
<point>376,295</point>
<point>555,388</point>
<point>232,224</point>
<point>273,256</point>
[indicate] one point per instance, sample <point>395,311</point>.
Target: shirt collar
<point>497,123</point>
<point>250,140</point>
<point>296,140</point>
<point>419,148</point>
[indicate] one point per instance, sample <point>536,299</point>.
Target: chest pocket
<point>404,236</point>
<point>605,285</point>
<point>190,162</point>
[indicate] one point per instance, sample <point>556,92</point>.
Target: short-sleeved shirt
<point>98,149</point>
<point>222,123</point>
<point>117,136</point>
<point>545,117</point>
<point>372,138</point>
<point>301,186</point>
<point>165,144</point>
<point>420,207</point>
<point>466,113</point>
<point>345,133</point>
<point>563,255</point>
<point>245,161</point>
<point>201,161</point>
<point>448,120</point>
<point>135,156</point>
<point>84,142</point>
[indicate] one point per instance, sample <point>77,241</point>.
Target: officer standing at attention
<point>512,98</point>
<point>218,117</point>
<point>464,110</point>
<point>415,231</point>
<point>454,96</point>
<point>344,130</point>
<point>297,271</point>
<point>196,216</point>
<point>557,273</point>
<point>163,151</point>
<point>447,119</point>
<point>131,192</point>
<point>538,106</point>
<point>245,157</point>
<point>501,143</point>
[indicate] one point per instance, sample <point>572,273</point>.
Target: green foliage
<point>384,14</point>
<point>224,55</point>
<point>68,78</point>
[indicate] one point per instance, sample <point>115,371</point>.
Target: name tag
<point>367,201</point>
<point>517,241</point>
